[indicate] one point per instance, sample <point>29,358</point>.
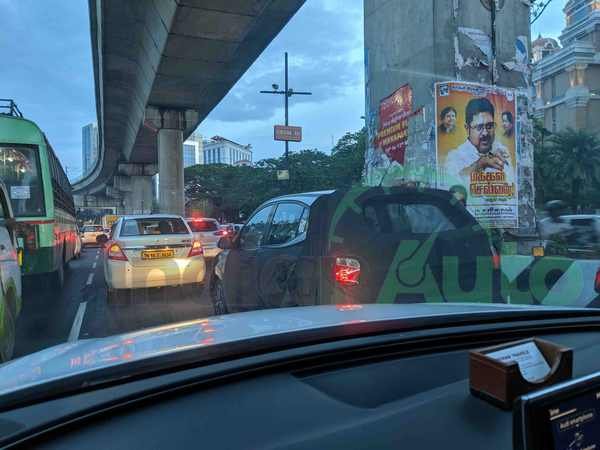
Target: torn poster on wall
<point>476,149</point>
<point>394,112</point>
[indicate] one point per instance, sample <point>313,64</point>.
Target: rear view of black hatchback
<point>365,245</point>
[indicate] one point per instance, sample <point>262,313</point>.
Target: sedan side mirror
<point>225,243</point>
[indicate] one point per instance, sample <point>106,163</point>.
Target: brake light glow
<point>597,281</point>
<point>495,258</point>
<point>196,249</point>
<point>221,233</point>
<point>347,271</point>
<point>115,253</point>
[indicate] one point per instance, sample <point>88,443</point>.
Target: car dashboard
<point>393,391</point>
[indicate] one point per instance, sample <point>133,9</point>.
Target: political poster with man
<point>476,150</point>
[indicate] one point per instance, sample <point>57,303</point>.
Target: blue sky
<point>50,75</point>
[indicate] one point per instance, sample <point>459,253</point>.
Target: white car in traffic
<point>10,277</point>
<point>152,251</point>
<point>89,234</point>
<point>208,232</point>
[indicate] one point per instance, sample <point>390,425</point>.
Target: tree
<point>219,190</point>
<point>348,158</point>
<point>574,156</point>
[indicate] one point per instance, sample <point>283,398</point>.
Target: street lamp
<point>287,93</point>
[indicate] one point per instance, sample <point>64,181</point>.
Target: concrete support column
<point>170,169</point>
<point>137,199</point>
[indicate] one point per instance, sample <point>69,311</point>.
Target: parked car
<point>90,234</point>
<point>232,228</point>
<point>10,276</point>
<point>208,231</point>
<point>380,245</point>
<point>575,235</point>
<point>152,251</point>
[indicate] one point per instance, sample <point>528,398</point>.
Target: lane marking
<point>77,322</point>
<point>90,279</point>
<point>98,256</point>
<point>94,265</point>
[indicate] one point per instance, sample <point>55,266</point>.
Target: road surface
<point>80,311</point>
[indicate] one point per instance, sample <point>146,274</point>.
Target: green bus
<point>40,195</point>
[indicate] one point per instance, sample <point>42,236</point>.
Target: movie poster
<point>476,150</point>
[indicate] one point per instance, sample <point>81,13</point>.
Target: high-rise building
<point>89,146</point>
<point>192,151</point>
<point>219,150</point>
<point>567,79</point>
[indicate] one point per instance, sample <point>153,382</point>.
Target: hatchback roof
<point>305,197</point>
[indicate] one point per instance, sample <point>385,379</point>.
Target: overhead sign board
<point>288,133</point>
<point>283,175</point>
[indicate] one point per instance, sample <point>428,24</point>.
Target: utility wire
<point>538,10</point>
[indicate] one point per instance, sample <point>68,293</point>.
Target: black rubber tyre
<point>218,298</point>
<point>58,276</point>
<point>8,343</point>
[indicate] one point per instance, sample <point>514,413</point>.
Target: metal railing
<point>9,107</point>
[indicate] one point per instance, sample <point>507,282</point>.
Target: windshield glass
<point>203,225</point>
<point>20,171</point>
<point>150,226</point>
<point>255,167</point>
<point>91,229</point>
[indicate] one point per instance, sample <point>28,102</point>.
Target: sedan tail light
<point>221,233</point>
<point>196,249</point>
<point>597,281</point>
<point>347,271</point>
<point>115,253</point>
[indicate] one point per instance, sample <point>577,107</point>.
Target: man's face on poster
<point>482,131</point>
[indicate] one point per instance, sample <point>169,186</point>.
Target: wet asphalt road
<point>80,310</point>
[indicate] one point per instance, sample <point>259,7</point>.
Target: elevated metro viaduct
<point>160,67</point>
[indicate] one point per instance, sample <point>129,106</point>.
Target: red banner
<point>394,112</point>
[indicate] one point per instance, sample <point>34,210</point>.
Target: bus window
<point>20,171</point>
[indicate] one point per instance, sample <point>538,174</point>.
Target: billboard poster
<point>476,150</point>
<point>394,112</point>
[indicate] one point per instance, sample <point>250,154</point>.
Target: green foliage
<point>220,190</point>
<point>567,166</point>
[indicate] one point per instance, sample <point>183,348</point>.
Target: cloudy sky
<point>46,67</point>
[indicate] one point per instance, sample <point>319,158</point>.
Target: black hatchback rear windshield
<point>203,225</point>
<point>153,226</point>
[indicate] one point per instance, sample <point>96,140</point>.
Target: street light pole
<point>493,41</point>
<point>287,96</point>
<point>287,93</point>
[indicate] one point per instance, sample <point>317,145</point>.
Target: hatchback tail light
<point>597,281</point>
<point>115,253</point>
<point>196,249</point>
<point>347,271</point>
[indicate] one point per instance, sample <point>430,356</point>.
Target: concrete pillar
<point>421,42</point>
<point>170,169</point>
<point>137,199</point>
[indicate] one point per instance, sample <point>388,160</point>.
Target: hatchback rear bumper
<point>171,272</point>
